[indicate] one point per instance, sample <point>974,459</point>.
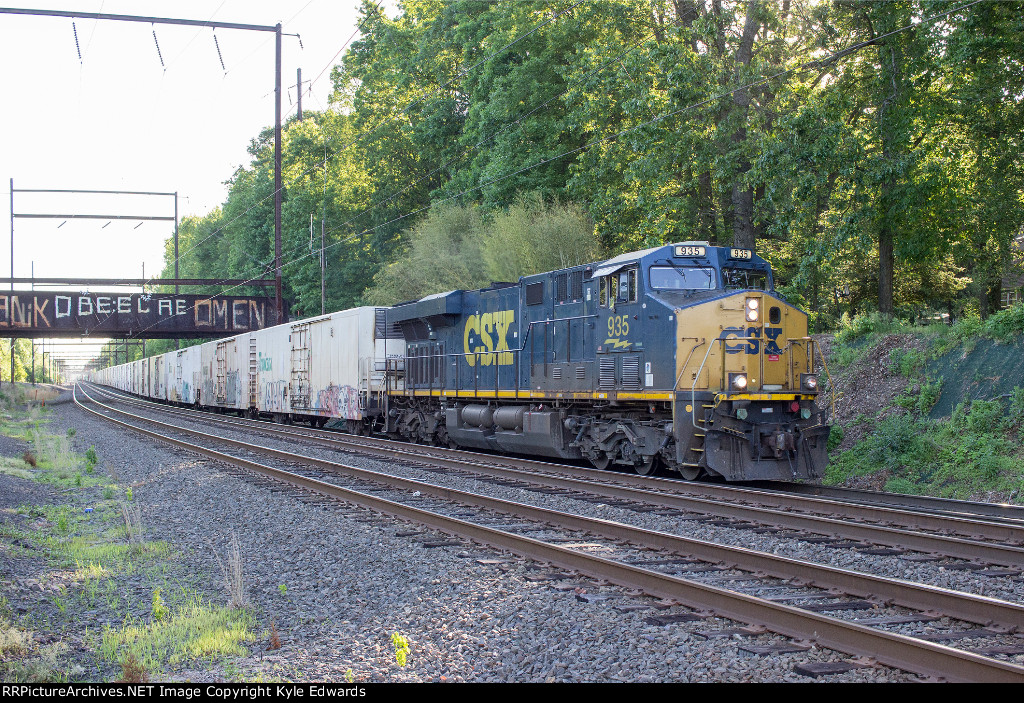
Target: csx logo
<point>753,345</point>
<point>488,333</point>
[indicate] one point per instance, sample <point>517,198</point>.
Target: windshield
<point>682,278</point>
<point>744,279</point>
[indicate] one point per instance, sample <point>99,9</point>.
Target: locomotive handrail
<point>700,342</point>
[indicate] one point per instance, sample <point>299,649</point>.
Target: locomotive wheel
<point>602,462</point>
<point>646,467</point>
<point>690,473</point>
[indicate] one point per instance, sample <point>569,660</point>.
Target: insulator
<point>219,56</point>
<point>77,47</point>
<point>160,55</point>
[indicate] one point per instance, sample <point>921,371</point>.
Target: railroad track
<point>786,596</point>
<point>976,541</point>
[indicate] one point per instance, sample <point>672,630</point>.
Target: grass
<point>977,451</point>
<point>93,560</point>
<point>195,630</point>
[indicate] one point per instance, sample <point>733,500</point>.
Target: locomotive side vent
<point>535,293</point>
<point>556,373</point>
<point>631,372</point>
<point>581,373</point>
<point>607,379</point>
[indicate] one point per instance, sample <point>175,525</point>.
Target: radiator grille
<point>607,379</point>
<point>631,372</point>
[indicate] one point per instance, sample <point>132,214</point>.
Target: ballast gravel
<point>337,581</point>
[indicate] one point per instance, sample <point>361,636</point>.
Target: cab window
<point>627,286</point>
<point>744,279</point>
<point>682,278</point>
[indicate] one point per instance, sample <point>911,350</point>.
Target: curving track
<point>757,588</point>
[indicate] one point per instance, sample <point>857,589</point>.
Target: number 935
<point>618,325</point>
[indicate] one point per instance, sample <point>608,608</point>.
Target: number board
<point>741,254</point>
<point>687,250</point>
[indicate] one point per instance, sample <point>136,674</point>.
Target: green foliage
<point>1015,411</point>
<point>458,248</point>
<point>160,610</point>
<point>907,362</point>
<point>931,389</point>
<point>858,327</point>
<point>659,121</point>
<point>401,645</point>
<point>90,456</point>
<point>975,451</point>
<point>1006,324</point>
<point>835,437</point>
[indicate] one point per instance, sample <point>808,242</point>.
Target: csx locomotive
<point>679,356</point>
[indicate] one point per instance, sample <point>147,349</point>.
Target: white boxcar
<point>328,367</point>
<point>223,375</point>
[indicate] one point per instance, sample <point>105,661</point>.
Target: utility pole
<point>298,85</point>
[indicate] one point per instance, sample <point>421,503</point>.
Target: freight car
<point>315,370</point>
<point>680,356</point>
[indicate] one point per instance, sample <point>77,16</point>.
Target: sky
<point>119,119</point>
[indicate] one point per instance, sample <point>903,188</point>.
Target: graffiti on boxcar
<point>275,396</point>
<point>234,389</point>
<point>338,401</point>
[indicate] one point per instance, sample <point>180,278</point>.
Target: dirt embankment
<point>869,386</point>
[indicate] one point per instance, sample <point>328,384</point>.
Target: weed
<point>133,526</point>
<point>71,432</point>
<point>349,676</point>
<point>63,525</point>
<point>13,640</point>
<point>1015,411</point>
<point>108,493</point>
<point>865,325</point>
<point>128,493</point>
<point>29,458</point>
<point>401,645</point>
<point>234,581</point>
<point>907,362</point>
<point>159,609</point>
<point>282,588</point>
<point>90,456</point>
<point>132,671</point>
<point>275,638</point>
<point>192,630</point>
<point>931,389</point>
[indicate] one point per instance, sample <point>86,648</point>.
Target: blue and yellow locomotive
<point>680,356</point>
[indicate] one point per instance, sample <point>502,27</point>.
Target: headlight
<point>752,309</point>
<point>809,382</point>
<point>738,382</point>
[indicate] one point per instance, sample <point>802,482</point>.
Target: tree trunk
<point>886,266</point>
<point>744,235</point>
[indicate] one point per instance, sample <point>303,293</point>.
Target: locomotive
<point>679,357</point>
